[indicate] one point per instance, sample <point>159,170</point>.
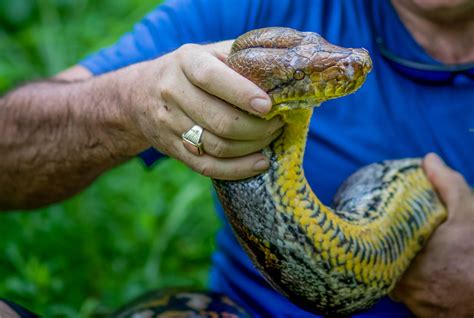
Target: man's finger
<point>178,122</point>
<point>449,183</point>
<point>221,49</point>
<point>220,118</point>
<point>212,75</point>
<point>224,168</point>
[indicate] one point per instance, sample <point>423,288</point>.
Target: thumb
<point>449,183</point>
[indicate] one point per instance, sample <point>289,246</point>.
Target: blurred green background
<point>134,229</point>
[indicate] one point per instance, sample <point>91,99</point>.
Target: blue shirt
<point>389,117</point>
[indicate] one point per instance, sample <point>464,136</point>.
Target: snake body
<point>329,260</point>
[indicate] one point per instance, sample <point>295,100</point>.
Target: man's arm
<point>59,135</point>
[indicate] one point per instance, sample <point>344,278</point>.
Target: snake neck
<point>365,232</point>
<point>288,151</point>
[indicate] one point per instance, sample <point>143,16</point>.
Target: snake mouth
<point>325,90</point>
<point>315,84</point>
<point>315,92</point>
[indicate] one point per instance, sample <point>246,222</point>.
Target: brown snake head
<point>298,69</point>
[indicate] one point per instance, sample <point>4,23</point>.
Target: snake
<point>330,260</point>
<point>181,303</point>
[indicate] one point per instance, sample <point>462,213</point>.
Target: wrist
<point>139,96</point>
<point>113,115</point>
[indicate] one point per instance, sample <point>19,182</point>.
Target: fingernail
<point>261,105</point>
<point>261,165</point>
<point>278,121</point>
<point>278,132</point>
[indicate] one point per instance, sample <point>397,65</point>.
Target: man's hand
<point>58,135</point>
<point>193,85</point>
<point>440,281</point>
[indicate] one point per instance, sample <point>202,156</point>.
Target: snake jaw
<point>284,108</point>
<point>344,77</point>
<point>341,79</point>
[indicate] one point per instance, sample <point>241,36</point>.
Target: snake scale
<point>328,260</point>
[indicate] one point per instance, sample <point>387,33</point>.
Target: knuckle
<point>164,145</point>
<point>187,49</point>
<point>220,149</point>
<point>202,75</point>
<point>204,168</point>
<point>223,127</point>
<point>167,91</point>
<point>162,115</point>
<point>191,59</point>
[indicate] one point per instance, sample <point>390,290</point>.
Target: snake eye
<point>298,75</point>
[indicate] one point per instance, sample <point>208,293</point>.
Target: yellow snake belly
<point>329,260</point>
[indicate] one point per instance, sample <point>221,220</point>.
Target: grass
<point>135,228</point>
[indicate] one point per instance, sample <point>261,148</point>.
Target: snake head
<point>298,69</point>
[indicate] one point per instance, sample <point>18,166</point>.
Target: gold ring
<point>192,140</point>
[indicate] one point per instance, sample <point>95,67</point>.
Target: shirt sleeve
<point>170,25</point>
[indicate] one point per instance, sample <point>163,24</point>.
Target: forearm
<point>58,136</point>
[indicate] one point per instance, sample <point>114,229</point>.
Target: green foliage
<point>42,37</point>
<point>134,229</point>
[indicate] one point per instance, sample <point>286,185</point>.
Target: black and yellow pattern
<point>173,303</point>
<point>331,261</point>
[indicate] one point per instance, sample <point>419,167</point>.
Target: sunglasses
<point>426,73</point>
